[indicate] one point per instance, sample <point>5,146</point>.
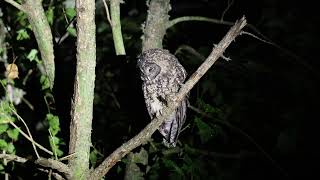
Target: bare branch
<point>25,125</point>
<point>225,11</point>
<point>107,12</point>
<point>146,133</point>
<point>15,4</point>
<point>197,18</point>
<point>56,165</point>
<point>12,157</point>
<point>215,54</point>
<point>47,163</point>
<point>42,32</point>
<point>31,140</point>
<point>116,27</point>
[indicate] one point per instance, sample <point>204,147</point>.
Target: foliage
<point>265,92</point>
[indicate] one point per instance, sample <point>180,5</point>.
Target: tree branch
<point>146,133</point>
<point>197,18</point>
<point>107,11</point>
<point>48,163</point>
<point>116,27</point>
<point>82,101</point>
<point>15,4</point>
<point>30,139</point>
<point>43,35</point>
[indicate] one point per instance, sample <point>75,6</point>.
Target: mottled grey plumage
<point>162,76</point>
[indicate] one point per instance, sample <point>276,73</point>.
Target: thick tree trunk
<point>82,104</point>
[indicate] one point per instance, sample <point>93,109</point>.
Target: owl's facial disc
<point>151,70</point>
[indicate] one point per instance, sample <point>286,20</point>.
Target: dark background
<point>267,92</point>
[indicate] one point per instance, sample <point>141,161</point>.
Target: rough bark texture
<point>42,32</point>
<point>156,24</point>
<point>82,103</point>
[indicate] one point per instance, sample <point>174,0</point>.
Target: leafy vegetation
<point>251,117</point>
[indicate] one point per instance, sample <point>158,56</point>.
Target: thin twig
<point>190,50</point>
<point>107,12</point>
<point>296,59</point>
<point>48,163</point>
<point>228,7</point>
<point>197,18</point>
<point>256,37</point>
<point>31,140</point>
<point>67,157</point>
<point>146,133</point>
<point>24,123</point>
<point>15,4</point>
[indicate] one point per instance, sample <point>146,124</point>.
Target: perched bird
<point>162,76</point>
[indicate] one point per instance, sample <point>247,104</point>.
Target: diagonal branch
<point>42,32</point>
<point>146,133</point>
<point>15,4</point>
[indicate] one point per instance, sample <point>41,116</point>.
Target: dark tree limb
<point>43,162</point>
<point>42,32</point>
<point>146,133</point>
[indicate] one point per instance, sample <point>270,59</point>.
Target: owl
<point>162,77</point>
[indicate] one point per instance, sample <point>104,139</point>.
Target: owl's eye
<point>152,70</point>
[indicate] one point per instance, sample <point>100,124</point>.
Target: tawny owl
<point>162,76</point>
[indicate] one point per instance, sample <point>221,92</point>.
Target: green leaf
<point>141,157</point>
<point>59,152</point>
<point>93,157</point>
<point>10,148</point>
<point>5,112</point>
<point>72,31</point>
<point>13,134</point>
<point>54,144</point>
<point>1,167</point>
<point>172,165</point>
<point>50,15</point>
<point>44,80</point>
<point>205,131</point>
<point>54,124</point>
<point>32,54</point>
<point>3,144</point>
<point>54,141</point>
<point>22,34</point>
<point>3,128</point>
<point>71,13</point>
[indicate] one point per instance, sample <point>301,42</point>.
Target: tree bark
<point>156,24</point>
<point>82,103</point>
<point>42,32</point>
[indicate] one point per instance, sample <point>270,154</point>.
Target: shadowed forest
<point>251,117</point>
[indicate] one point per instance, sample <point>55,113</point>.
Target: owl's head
<point>154,62</point>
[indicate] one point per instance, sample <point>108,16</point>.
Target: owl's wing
<point>171,128</point>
